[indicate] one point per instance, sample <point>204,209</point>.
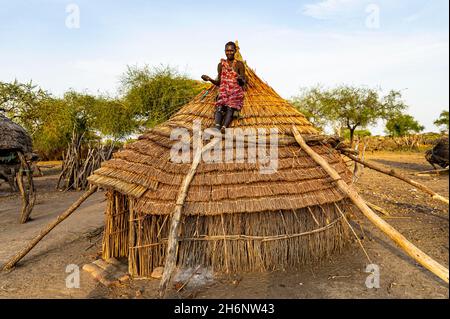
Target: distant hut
<point>15,148</point>
<point>13,137</point>
<point>233,218</point>
<point>439,154</point>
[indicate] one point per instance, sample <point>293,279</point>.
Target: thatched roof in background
<point>144,170</point>
<point>13,136</point>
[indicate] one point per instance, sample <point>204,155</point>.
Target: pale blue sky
<point>392,44</point>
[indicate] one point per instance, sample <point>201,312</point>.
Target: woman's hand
<point>206,78</point>
<point>241,80</point>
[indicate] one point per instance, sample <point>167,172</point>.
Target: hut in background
<point>15,153</point>
<point>234,218</point>
<point>439,154</point>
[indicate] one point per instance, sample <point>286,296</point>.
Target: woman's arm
<point>241,73</point>
<point>215,82</point>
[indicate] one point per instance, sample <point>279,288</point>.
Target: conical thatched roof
<point>143,169</point>
<point>13,137</point>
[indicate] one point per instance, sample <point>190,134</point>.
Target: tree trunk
<point>26,190</point>
<point>352,135</point>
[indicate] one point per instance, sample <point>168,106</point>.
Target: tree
<point>403,124</point>
<point>350,107</point>
<point>309,103</point>
<point>113,118</point>
<point>443,120</point>
<point>52,121</point>
<point>20,100</point>
<point>156,93</point>
<point>357,133</point>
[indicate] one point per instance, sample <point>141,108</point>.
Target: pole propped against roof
<point>398,238</point>
<point>396,174</point>
<point>16,258</point>
<point>172,244</point>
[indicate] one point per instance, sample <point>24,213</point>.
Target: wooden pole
<point>28,193</point>
<point>172,244</point>
<point>436,172</point>
<point>395,174</point>
<point>378,208</point>
<point>14,260</point>
<point>398,238</point>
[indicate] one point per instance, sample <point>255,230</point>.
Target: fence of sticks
<point>80,161</point>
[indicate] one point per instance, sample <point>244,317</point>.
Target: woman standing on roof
<point>231,80</point>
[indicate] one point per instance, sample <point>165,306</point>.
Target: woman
<point>231,81</point>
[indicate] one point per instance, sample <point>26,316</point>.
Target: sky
<point>87,45</point>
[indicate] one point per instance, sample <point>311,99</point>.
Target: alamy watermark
<point>261,146</point>
<point>373,280</point>
<point>73,279</point>
<point>73,17</point>
<point>373,17</point>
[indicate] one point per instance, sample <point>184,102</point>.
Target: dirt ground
<point>42,273</point>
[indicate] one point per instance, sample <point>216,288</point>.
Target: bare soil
<point>425,222</point>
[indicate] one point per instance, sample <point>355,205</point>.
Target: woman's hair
<point>232,44</point>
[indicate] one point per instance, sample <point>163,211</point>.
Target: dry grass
<point>144,170</point>
<point>226,242</point>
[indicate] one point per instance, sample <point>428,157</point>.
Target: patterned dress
<point>230,92</point>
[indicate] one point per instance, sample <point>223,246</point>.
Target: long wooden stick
<point>172,244</point>
<point>395,174</point>
<point>14,260</point>
<point>433,172</point>
<point>398,238</point>
<point>378,208</point>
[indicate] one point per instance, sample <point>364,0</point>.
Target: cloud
<point>329,9</point>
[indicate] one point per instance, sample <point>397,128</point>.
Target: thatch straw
<point>234,218</point>
<point>227,242</point>
<point>13,137</point>
<point>144,171</point>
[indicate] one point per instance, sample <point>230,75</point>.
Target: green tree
<point>20,100</point>
<point>156,93</point>
<point>51,121</point>
<point>310,104</point>
<point>403,124</point>
<point>357,133</point>
<point>443,120</point>
<point>113,118</point>
<point>350,107</point>
<point>57,119</point>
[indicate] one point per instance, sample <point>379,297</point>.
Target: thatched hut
<point>439,154</point>
<point>15,157</point>
<point>13,139</point>
<point>234,218</point>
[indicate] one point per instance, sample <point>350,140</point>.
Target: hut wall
<point>116,233</point>
<point>241,242</point>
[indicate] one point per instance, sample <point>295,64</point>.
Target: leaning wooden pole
<point>396,174</point>
<point>398,238</point>
<point>14,260</point>
<point>172,243</point>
